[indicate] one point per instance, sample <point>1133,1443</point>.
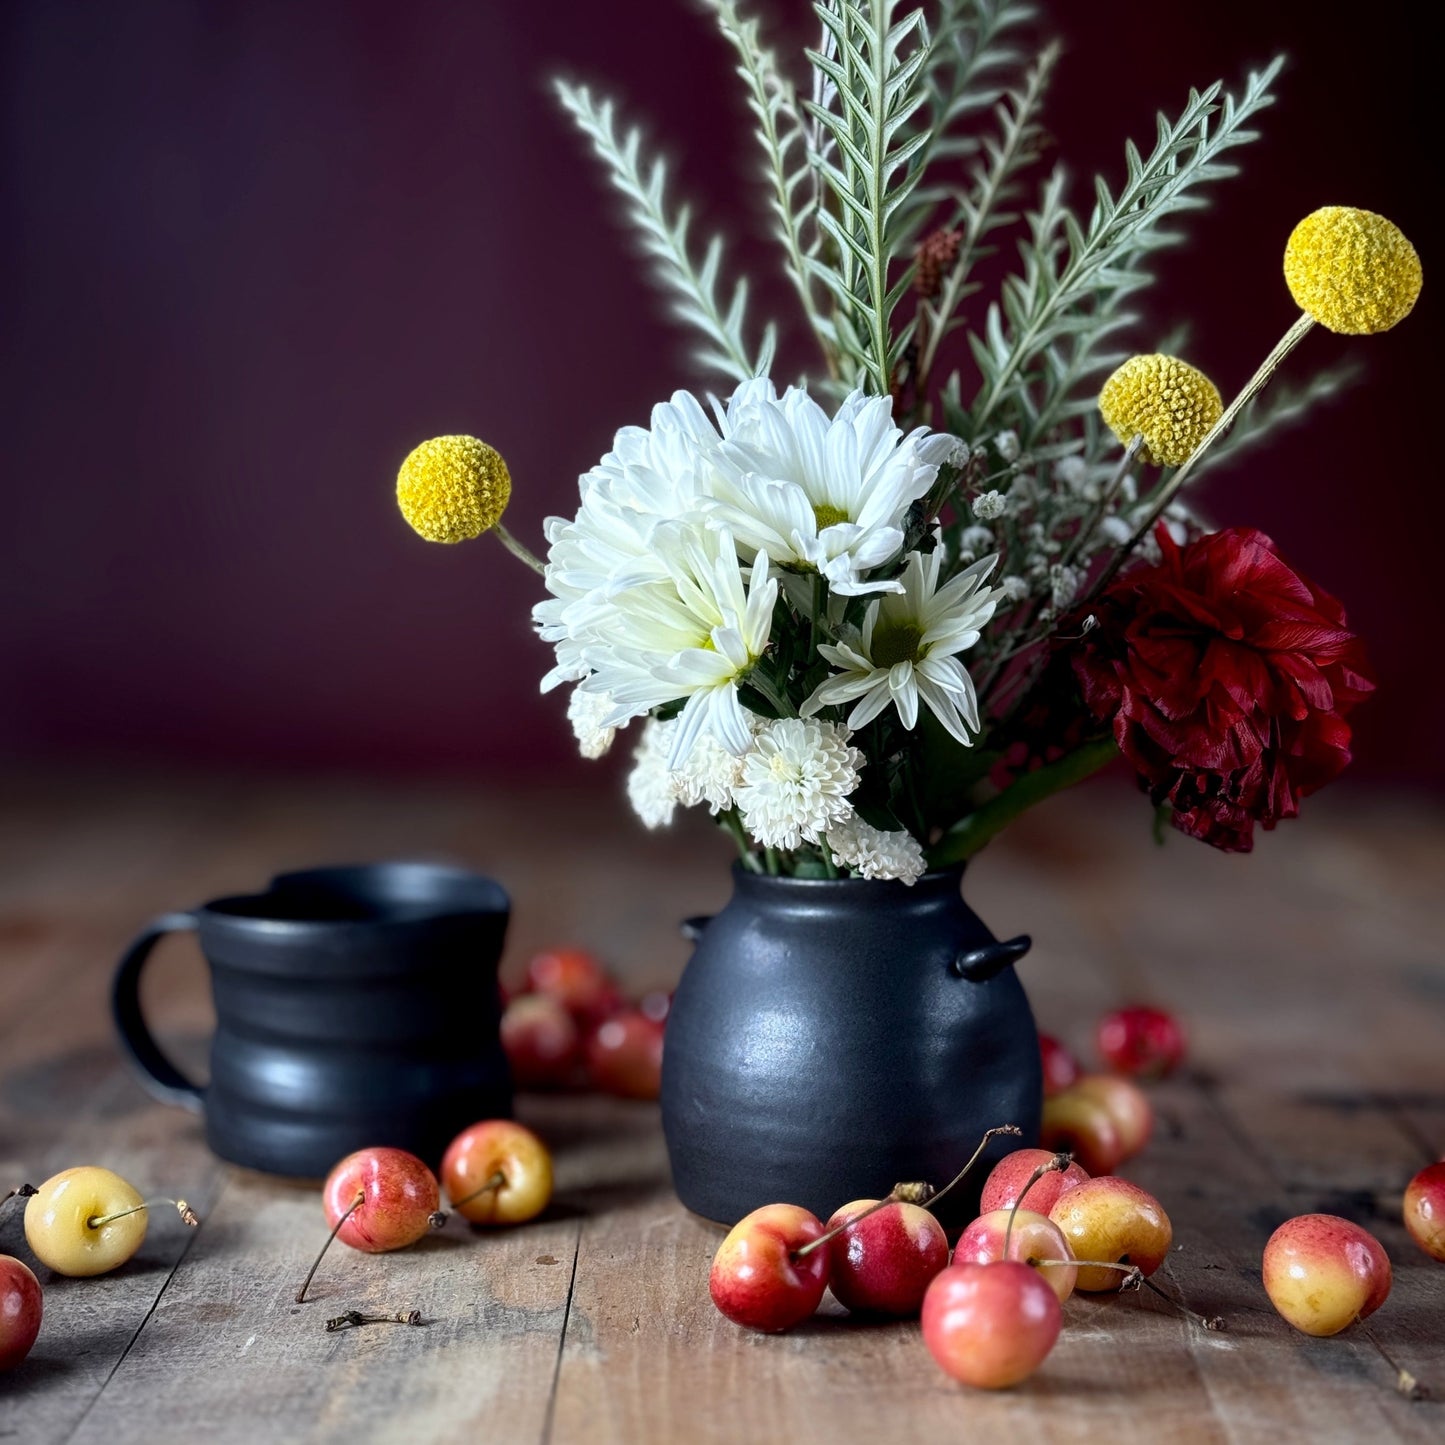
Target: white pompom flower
<point>709,774</point>
<point>587,712</point>
<point>796,781</point>
<point>650,787</point>
<point>871,852</point>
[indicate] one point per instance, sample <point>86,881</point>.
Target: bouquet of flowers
<point>868,618</point>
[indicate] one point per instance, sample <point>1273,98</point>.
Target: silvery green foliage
<point>1040,347</point>
<point>912,120</point>
<point>663,233</point>
<point>787,169</point>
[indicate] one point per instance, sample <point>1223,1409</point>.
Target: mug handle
<point>157,1074</point>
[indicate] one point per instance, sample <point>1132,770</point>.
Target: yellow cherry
<point>78,1221</point>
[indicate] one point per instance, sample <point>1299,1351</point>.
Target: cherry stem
<point>837,1229</point>
<point>21,1191</point>
<point>1059,1162</point>
<point>188,1215</point>
<point>1133,1278</point>
<point>310,1274</point>
<point>353,1319</point>
<point>1010,1129</point>
<point>1405,1382</point>
<point>495,1182</point>
<point>907,1193</point>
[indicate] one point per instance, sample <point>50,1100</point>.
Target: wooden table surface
<point>1310,977</point>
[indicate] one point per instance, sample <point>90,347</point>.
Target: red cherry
<point>1061,1068</point>
<point>1082,1125</point>
<point>883,1264</point>
<point>576,980</point>
<point>399,1195</point>
<point>497,1172</point>
<point>990,1325</point>
<point>541,1040</point>
<point>1142,1041</point>
<point>1322,1273</point>
<point>1425,1209</point>
<point>1126,1104</point>
<point>624,1055</point>
<point>21,1306</point>
<point>758,1280</point>
<point>1010,1175</point>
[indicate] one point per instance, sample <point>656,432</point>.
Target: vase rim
<point>953,873</point>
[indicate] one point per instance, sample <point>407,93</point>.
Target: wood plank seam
<point>550,1417</point>
<point>140,1328</point>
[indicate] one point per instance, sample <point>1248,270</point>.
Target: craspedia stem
<point>521,552</point>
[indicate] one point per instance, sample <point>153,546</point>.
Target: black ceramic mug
<point>354,1007</point>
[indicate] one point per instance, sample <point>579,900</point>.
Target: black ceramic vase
<point>831,1038</point>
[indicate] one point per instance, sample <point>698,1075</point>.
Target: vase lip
<point>951,876</point>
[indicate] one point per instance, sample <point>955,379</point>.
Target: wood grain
<point>1310,976</point>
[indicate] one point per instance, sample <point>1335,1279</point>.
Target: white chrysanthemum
<point>710,774</point>
<point>587,712</point>
<point>650,785</point>
<point>796,781</point>
<point>694,634</point>
<point>872,853</point>
<point>907,653</point>
<point>648,478</point>
<point>818,493</point>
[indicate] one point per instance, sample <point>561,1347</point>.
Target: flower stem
<point>970,834</point>
<point>517,549</point>
<point>729,819</point>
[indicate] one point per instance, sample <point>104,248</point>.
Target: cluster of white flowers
<point>871,853</point>
<point>665,586</point>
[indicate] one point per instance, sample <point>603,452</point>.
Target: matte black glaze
<point>830,1039</point>
<point>354,1006</point>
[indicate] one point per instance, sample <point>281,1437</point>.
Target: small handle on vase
<point>692,928</point>
<point>978,965</point>
<point>157,1074</point>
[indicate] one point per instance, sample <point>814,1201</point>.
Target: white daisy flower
<point>796,781</point>
<point>873,853</point>
<point>818,493</point>
<point>587,711</point>
<point>649,784</point>
<point>907,652</point>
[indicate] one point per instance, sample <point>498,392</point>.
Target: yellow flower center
<point>895,642</point>
<point>827,516</point>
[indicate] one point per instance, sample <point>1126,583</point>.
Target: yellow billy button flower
<point>1171,404</point>
<point>1352,271</point>
<point>451,489</point>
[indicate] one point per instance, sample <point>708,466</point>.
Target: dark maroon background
<point>256,251</point>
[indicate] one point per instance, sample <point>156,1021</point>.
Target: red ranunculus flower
<point>1226,676</point>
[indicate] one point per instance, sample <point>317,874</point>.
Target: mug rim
<point>488,899</point>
